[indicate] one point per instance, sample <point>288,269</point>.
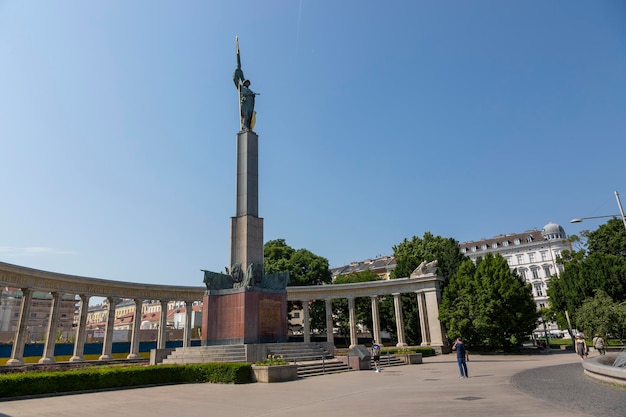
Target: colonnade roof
<point>24,277</point>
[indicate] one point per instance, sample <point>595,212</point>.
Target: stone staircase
<point>205,354</point>
<point>298,352</point>
<point>311,358</point>
<point>316,368</point>
<point>387,361</point>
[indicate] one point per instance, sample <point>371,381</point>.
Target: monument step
<point>316,368</point>
<point>205,354</point>
<point>298,352</point>
<point>386,361</point>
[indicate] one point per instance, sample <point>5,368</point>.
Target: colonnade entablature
<point>365,289</point>
<point>34,279</point>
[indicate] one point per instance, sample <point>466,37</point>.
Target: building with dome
<point>533,253</point>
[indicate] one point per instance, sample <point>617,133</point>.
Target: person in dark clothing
<point>461,357</point>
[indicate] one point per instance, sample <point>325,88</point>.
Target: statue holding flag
<point>246,96</point>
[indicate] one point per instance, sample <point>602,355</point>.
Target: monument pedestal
<point>244,316</point>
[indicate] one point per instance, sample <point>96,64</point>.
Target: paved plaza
<point>548,385</point>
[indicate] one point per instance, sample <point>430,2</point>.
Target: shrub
<point>37,383</point>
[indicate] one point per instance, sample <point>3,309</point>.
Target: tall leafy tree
<point>304,267</point>
<point>582,277</point>
<point>488,304</point>
<point>600,314</point>
<point>609,238</point>
<point>600,264</point>
<point>409,254</point>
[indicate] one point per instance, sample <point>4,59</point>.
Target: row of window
<point>532,257</point>
<point>496,245</point>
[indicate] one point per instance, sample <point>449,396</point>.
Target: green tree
<point>600,264</point>
<point>409,254</point>
<point>362,305</point>
<point>582,277</point>
<point>609,239</point>
<point>304,267</point>
<point>488,304</point>
<point>600,314</point>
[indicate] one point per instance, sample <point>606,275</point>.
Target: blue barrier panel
<point>67,349</point>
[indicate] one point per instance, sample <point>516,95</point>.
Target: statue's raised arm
<point>238,77</point>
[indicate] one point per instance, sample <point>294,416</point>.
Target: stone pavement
<point>431,389</point>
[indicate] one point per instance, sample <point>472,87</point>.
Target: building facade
<point>532,253</point>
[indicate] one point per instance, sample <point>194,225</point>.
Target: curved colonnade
<point>426,287</point>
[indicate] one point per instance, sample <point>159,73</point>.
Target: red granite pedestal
<point>244,316</point>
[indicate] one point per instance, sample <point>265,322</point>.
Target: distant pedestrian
<point>581,346</point>
<point>376,355</point>
<point>598,344</point>
<point>462,357</point>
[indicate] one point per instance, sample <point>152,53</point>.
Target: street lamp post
<point>621,210</point>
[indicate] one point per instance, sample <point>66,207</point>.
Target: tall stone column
<point>352,312</point>
<point>306,321</point>
<point>17,354</point>
<point>135,338</point>
<point>81,330</point>
<point>435,327</point>
<point>424,326</point>
<point>162,326</point>
<point>376,320</point>
<point>53,323</point>
<point>246,233</point>
<point>397,304</point>
<point>330,325</point>
<point>107,346</point>
<point>188,329</point>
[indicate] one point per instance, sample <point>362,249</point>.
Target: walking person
<point>462,357</point>
<point>598,344</point>
<point>376,355</point>
<point>581,346</point>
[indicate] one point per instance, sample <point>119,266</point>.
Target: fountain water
<point>620,361</point>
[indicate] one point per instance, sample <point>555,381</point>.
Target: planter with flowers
<point>274,369</point>
<point>410,356</point>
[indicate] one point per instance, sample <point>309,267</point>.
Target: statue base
<point>244,316</point>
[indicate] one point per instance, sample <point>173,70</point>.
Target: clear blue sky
<point>378,121</point>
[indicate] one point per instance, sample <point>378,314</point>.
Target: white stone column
<point>135,338</point>
<point>432,312</point>
<point>107,346</point>
<point>306,321</point>
<point>353,335</point>
<point>424,327</point>
<point>17,354</point>
<point>376,320</point>
<point>162,326</point>
<point>330,324</point>
<point>188,330</point>
<point>53,323</point>
<point>397,304</point>
<point>81,330</point>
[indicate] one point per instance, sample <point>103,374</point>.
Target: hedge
<point>38,383</point>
